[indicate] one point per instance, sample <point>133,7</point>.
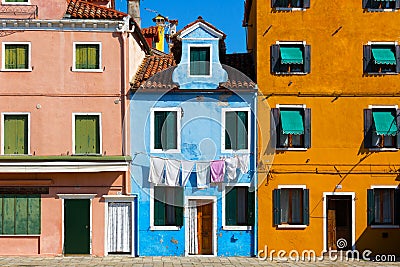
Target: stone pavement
<point>170,261</point>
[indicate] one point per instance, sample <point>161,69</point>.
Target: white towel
<point>203,174</point>
<point>231,165</point>
<point>243,163</point>
<point>172,172</point>
<point>187,167</point>
<point>156,170</point>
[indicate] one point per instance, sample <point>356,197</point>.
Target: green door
<point>76,226</point>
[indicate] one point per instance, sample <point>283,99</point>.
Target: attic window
<point>199,61</point>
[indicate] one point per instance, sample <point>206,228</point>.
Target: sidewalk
<point>170,261</point>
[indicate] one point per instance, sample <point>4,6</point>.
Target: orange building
<point>329,73</point>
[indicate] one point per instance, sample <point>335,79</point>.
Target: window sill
<point>377,226</point>
<point>88,70</point>
<point>230,151</point>
<point>381,10</point>
<point>86,154</point>
<point>15,3</point>
<point>290,9</point>
<point>384,149</point>
<point>237,228</point>
<point>170,151</point>
<point>23,235</point>
<point>17,70</point>
<point>290,73</point>
<point>165,228</point>
<point>291,149</point>
<point>380,73</point>
<point>292,226</point>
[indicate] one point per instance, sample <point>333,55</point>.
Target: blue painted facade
<point>201,138</point>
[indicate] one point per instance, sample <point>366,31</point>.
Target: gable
<point>200,31</point>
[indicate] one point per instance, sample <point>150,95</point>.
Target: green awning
<point>291,55</point>
<point>292,122</point>
<point>385,122</point>
<point>383,55</point>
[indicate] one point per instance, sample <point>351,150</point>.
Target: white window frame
<point>300,106</point>
<point>178,110</point>
<point>223,126</point>
<point>382,226</point>
<point>100,69</point>
<point>223,200</point>
<point>158,227</point>
<point>3,55</point>
<point>3,2</point>
<point>211,60</point>
<point>393,149</point>
<point>29,131</point>
<point>100,130</point>
<point>292,226</point>
<point>119,199</point>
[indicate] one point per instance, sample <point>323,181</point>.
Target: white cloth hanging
<point>243,163</point>
<point>156,170</point>
<point>203,174</point>
<point>172,172</point>
<point>231,165</point>
<point>119,227</point>
<point>187,167</point>
<point>193,239</point>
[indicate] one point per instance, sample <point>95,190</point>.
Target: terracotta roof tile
<point>79,9</point>
<point>153,30</point>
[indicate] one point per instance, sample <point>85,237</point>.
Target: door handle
<point>86,226</point>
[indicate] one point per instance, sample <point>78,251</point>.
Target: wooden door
<point>205,228</point>
<point>331,229</point>
<point>76,226</point>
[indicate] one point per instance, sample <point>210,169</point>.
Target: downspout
<point>255,252</point>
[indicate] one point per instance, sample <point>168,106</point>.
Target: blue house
<point>193,144</point>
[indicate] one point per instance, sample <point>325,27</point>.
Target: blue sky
<point>226,15</point>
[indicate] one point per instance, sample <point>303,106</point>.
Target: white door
<point>119,227</point>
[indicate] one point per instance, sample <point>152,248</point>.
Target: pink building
<point>64,74</point>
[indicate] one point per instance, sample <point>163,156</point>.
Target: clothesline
<point>196,161</point>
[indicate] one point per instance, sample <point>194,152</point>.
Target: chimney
<point>134,10</point>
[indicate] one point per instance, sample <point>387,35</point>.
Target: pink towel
<point>217,169</point>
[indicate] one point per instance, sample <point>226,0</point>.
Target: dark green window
<point>239,206</point>
<point>16,1</point>
<point>19,214</point>
<point>87,134</point>
<point>200,61</point>
<point>383,206</point>
<point>16,56</point>
<point>168,206</point>
<point>87,56</point>
<point>165,130</point>
<point>15,134</point>
<point>236,130</point>
<point>291,206</point>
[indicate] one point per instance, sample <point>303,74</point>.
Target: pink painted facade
<point>50,93</point>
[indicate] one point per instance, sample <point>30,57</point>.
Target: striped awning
<point>385,122</point>
<point>291,55</point>
<point>384,55</point>
<point>292,121</point>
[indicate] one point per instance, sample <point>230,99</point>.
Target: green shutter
<point>230,130</point>
<point>230,205</point>
<point>370,206</point>
<point>10,56</point>
<point>15,134</point>
<point>159,205</point>
<point>242,128</point>
<point>93,57</point>
<point>178,206</point>
<point>34,214</point>
<point>8,214</point>
<point>170,130</point>
<point>87,56</point>
<point>21,215</point>
<point>251,208</point>
<point>22,56</point>
<point>277,206</point>
<point>306,206</point>
<point>1,214</point>
<point>87,134</point>
<point>80,57</point>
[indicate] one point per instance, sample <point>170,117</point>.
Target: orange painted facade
<point>337,92</point>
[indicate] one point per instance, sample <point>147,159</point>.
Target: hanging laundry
<point>187,167</point>
<point>231,165</point>
<point>156,170</point>
<point>217,170</point>
<point>172,172</point>
<point>203,174</point>
<point>243,162</point>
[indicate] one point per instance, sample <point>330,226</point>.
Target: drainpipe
<point>255,174</point>
<point>136,222</point>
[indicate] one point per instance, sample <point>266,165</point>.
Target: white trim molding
<point>249,130</point>
<point>125,199</point>
<point>325,217</point>
<point>3,2</point>
<point>3,55</point>
<point>223,200</point>
<point>210,63</point>
<point>178,111</point>
<point>385,226</point>
<point>2,131</point>
<point>213,199</point>
<point>100,69</point>
<point>204,27</point>
<point>100,130</point>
